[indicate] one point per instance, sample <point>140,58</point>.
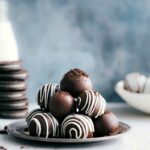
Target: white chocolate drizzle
<point>92,100</point>
<point>32,113</point>
<point>51,124</point>
<point>82,126</point>
<point>45,93</point>
<point>135,82</point>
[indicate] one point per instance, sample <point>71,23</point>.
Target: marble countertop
<point>138,138</point>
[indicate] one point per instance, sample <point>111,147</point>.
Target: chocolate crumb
<point>25,129</point>
<point>21,147</point>
<point>4,131</point>
<point>3,148</point>
<point>5,128</point>
<point>76,73</point>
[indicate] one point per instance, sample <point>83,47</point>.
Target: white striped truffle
<point>77,126</point>
<point>32,113</point>
<point>135,82</point>
<point>45,93</point>
<point>43,125</point>
<point>91,103</point>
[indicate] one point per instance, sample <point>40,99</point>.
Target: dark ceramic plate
<point>19,130</point>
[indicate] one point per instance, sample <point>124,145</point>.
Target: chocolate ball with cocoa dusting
<point>75,81</point>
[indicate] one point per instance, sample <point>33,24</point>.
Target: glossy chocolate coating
<point>91,103</point>
<point>77,126</point>
<point>61,104</point>
<point>75,81</point>
<point>45,93</point>
<point>43,125</point>
<point>105,124</point>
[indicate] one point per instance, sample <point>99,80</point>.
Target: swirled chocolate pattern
<point>77,126</point>
<point>91,103</point>
<point>45,93</point>
<point>43,125</point>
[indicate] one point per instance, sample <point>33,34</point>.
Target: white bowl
<point>139,101</point>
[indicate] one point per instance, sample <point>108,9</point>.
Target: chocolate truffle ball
<point>43,125</point>
<point>91,103</point>
<point>135,82</point>
<point>105,124</point>
<point>77,126</point>
<point>32,113</point>
<point>75,81</point>
<point>61,104</point>
<point>45,93</point>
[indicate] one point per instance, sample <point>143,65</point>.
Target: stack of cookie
<point>13,100</point>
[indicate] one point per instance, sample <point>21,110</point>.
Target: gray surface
<point>105,38</point>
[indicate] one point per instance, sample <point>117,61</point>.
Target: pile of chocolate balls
<point>71,110</point>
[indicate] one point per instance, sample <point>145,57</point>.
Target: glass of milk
<point>8,45</point>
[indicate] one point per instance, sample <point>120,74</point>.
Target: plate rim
<point>20,135</point>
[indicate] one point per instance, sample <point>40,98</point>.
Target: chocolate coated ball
<point>45,93</point>
<point>105,124</point>
<point>75,81</point>
<point>91,103</point>
<point>77,126</point>
<point>61,104</point>
<point>43,125</point>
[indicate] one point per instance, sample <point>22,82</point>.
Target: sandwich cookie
<point>12,95</point>
<point>13,105</point>
<point>10,99</point>
<point>10,66</point>
<point>12,86</point>
<point>15,75</point>
<point>13,114</point>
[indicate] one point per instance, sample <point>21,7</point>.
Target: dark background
<point>107,39</point>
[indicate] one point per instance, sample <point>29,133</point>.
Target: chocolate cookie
<point>12,86</point>
<point>11,95</point>
<point>13,105</point>
<point>10,66</point>
<point>13,114</point>
<point>13,101</point>
<point>13,98</point>
<point>15,75</point>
